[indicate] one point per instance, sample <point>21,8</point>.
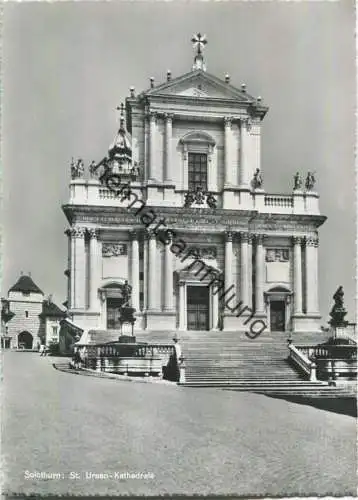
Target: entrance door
<point>198,307</point>
<point>278,315</point>
<point>113,313</point>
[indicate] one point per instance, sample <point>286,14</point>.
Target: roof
<point>51,309</point>
<point>25,284</point>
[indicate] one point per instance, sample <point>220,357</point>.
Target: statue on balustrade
<point>310,181</point>
<point>338,311</point>
<point>77,169</point>
<point>199,195</point>
<point>93,169</point>
<point>211,201</point>
<point>257,180</point>
<point>189,199</point>
<point>297,180</point>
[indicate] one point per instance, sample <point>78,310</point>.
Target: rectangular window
<point>26,314</point>
<point>54,331</point>
<point>198,171</point>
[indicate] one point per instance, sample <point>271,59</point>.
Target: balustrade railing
<point>279,200</point>
<point>329,351</point>
<point>128,350</point>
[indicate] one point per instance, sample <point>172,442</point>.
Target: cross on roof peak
<point>199,42</point>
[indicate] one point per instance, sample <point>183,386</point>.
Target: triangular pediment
<point>200,84</point>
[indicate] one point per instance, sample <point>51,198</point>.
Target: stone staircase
<point>230,360</point>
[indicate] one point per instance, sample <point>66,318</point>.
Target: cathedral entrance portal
<point>198,307</point>
<point>278,315</point>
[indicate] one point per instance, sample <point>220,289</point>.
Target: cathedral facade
<point>177,213</point>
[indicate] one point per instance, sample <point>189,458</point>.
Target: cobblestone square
<point>93,433</point>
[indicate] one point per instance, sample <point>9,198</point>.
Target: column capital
<point>244,236</point>
<point>150,235</point>
<point>259,238</point>
<point>134,234</point>
<point>228,121</point>
<point>168,117</point>
<point>93,232</point>
<point>297,240</point>
<point>311,241</point>
<point>151,115</point>
<point>229,235</point>
<point>246,122</point>
<point>78,232</point>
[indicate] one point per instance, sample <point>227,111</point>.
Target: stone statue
<point>189,199</point>
<point>310,181</point>
<point>93,167</point>
<point>77,169</point>
<point>338,297</point>
<point>127,293</point>
<point>199,195</point>
<point>297,180</point>
<point>135,170</point>
<point>211,201</point>
<point>338,311</point>
<point>257,179</point>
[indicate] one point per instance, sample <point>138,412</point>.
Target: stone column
<point>95,269</point>
<point>227,136</point>
<point>229,279</point>
<point>168,279</point>
<point>311,275</point>
<point>182,306</point>
<point>79,301</point>
<point>297,275</point>
<point>245,153</point>
<point>244,269</point>
<point>152,131</point>
<point>168,148</point>
<point>135,270</point>
<point>152,272</point>
<point>260,274</point>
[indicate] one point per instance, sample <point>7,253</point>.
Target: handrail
<point>303,362</point>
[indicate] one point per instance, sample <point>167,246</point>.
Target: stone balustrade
<point>282,201</point>
<point>301,360</point>
<point>325,361</point>
<point>128,359</point>
<point>91,192</point>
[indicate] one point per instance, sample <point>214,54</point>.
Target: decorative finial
<point>227,78</point>
<point>151,82</point>
<point>199,41</point>
<point>259,99</point>
<point>169,75</point>
<point>132,91</point>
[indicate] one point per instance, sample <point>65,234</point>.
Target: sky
<point>68,65</point>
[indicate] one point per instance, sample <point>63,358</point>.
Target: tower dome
<point>120,150</point>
